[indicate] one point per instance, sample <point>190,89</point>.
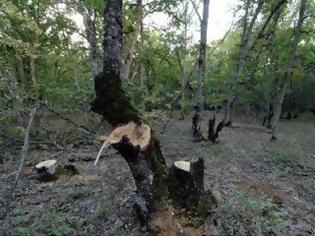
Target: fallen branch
<point>23,157</point>
<point>138,135</point>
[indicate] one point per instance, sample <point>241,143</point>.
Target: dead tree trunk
<point>133,139</point>
<point>282,83</point>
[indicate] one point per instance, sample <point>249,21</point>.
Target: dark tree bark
<point>146,162</point>
<point>188,180</point>
<point>282,82</point>
<point>213,130</point>
<point>268,116</point>
<point>196,125</point>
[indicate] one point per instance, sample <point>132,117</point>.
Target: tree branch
<point>23,157</point>
<point>196,10</point>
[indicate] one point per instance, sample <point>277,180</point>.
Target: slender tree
<point>243,51</point>
<point>283,82</point>
<point>202,53</point>
<point>138,31</point>
<point>197,118</point>
<point>89,19</point>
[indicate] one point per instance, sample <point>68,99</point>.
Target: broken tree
<point>133,139</point>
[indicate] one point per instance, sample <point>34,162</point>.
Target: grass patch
<point>244,214</point>
<point>80,193</point>
<point>282,161</point>
<point>51,222</point>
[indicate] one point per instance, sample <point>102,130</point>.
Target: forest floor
<point>262,187</point>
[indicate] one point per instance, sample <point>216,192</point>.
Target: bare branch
<point>196,10</point>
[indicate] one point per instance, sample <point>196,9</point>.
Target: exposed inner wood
<point>50,165</point>
<point>46,164</point>
<point>138,135</point>
<point>183,165</point>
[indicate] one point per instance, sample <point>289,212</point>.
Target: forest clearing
<point>142,117</point>
<point>262,187</point>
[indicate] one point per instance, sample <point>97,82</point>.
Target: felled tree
<point>134,139</point>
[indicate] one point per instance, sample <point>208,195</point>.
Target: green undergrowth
<point>245,214</point>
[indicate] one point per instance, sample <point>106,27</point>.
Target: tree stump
<point>51,170</point>
<point>186,187</point>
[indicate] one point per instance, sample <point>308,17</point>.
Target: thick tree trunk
<point>282,83</point>
<point>147,166</point>
<point>133,139</point>
<point>202,54</point>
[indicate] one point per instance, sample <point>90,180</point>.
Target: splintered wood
<point>138,135</point>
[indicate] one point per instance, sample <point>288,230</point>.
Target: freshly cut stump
<point>51,170</point>
<point>47,169</point>
<point>186,187</point>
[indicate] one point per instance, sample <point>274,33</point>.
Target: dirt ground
<point>262,187</point>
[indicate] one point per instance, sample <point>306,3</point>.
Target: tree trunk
<point>213,131</point>
<point>196,125</point>
<point>21,72</point>
<point>183,62</point>
<point>247,32</point>
<point>33,69</point>
<point>202,54</point>
<point>188,180</point>
<point>134,140</point>
<point>282,83</point>
<point>130,52</point>
<point>268,115</point>
<point>90,31</point>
